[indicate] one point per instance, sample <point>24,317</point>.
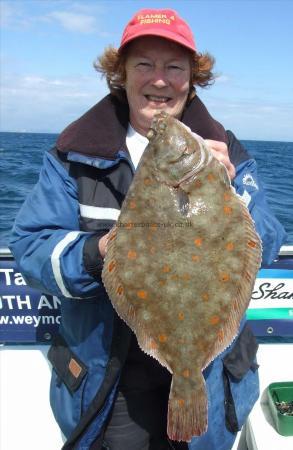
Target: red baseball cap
<point>165,23</point>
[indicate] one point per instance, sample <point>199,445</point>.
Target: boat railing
<point>285,250</point>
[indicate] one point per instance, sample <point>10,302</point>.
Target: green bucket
<point>281,392</point>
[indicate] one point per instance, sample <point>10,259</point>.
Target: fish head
<point>178,153</point>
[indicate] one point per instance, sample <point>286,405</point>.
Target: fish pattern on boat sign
<point>181,264</point>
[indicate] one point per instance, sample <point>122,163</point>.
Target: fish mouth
<point>158,125</point>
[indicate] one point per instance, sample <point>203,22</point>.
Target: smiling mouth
<point>157,98</point>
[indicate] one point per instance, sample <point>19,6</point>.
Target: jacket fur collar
<point>101,131</point>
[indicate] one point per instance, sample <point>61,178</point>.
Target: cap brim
<point>167,35</point>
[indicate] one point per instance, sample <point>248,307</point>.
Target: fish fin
<point>252,258</point>
<point>188,408</point>
<point>114,287</point>
<point>123,306</point>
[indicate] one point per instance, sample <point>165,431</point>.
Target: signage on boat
<point>270,310</point>
<point>28,315</point>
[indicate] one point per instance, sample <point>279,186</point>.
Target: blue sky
<point>48,48</point>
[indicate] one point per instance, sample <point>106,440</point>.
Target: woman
<point>105,392</point>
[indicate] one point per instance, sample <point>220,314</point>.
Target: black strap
<point>230,411</point>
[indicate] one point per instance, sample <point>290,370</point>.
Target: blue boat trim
<point>271,328</point>
<point>276,273</point>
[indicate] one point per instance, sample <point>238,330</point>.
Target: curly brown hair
<point>112,66</point>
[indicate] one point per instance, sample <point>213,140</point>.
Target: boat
<point>29,320</point>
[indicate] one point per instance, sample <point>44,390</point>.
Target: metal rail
<point>286,250</point>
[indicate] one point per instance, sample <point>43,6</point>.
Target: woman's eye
<point>143,64</point>
<point>174,67</point>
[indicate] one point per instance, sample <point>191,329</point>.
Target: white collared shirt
<point>136,144</point>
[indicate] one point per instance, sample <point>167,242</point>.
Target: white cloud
<point>92,7</point>
<point>7,13</point>
<point>81,23</point>
<point>74,16</point>
<point>38,103</point>
<point>251,117</point>
<point>12,16</point>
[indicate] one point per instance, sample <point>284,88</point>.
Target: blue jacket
<point>54,242</point>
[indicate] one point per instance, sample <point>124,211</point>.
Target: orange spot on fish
<point>227,196</point>
<point>111,266</point>
<point>251,244</point>
<point>214,320</point>
<point>195,258</point>
<point>181,316</point>
<point>181,402</point>
<point>186,277</point>
<point>129,225</point>
<point>162,338</point>
<point>211,177</point>
<point>162,282</point>
<point>142,294</point>
<point>205,296</point>
<point>186,373</point>
<point>197,183</point>
<point>230,246</point>
<point>132,204</point>
<point>154,227</point>
<point>147,181</point>
<point>120,290</point>
<point>198,241</point>
<point>224,277</point>
<point>166,268</point>
<point>131,254</point>
<point>227,210</point>
<point>174,277</point>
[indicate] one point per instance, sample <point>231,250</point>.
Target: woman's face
<point>158,75</point>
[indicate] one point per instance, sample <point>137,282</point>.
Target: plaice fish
<point>181,264</point>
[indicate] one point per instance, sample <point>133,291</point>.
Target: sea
<point>21,157</point>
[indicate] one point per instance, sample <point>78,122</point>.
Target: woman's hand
<point>220,151</point>
<point>103,243</point>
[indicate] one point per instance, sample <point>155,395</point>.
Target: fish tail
<point>188,410</point>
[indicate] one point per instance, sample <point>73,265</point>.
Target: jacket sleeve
<point>248,185</point>
<point>46,241</point>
